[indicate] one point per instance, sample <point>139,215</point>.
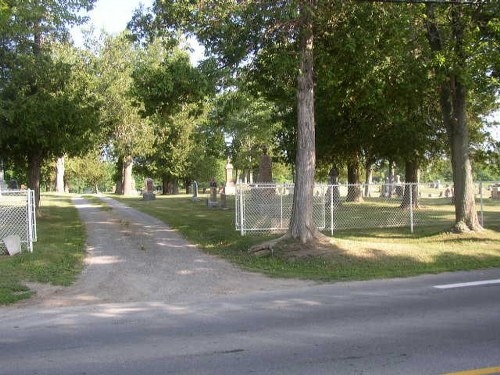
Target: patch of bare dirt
<point>319,248</point>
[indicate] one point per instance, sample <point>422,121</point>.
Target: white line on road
<point>464,285</point>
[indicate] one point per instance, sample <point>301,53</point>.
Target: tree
<point>237,32</point>
<point>172,93</point>
<point>130,133</point>
<point>40,94</point>
<point>248,123</point>
<point>460,41</point>
<point>88,171</point>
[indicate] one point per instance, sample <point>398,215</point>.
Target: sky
<point>113,16</point>
<point>110,15</point>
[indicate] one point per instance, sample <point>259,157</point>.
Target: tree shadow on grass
<point>335,262</point>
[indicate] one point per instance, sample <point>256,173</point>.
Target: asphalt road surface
<point>403,326</point>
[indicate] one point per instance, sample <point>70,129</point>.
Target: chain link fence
<point>17,217</point>
<point>268,207</point>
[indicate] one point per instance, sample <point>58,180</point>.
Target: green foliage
<point>128,131</point>
<point>172,94</point>
<point>248,124</point>
<point>89,171</point>
<point>166,85</point>
<point>41,94</point>
<point>59,103</point>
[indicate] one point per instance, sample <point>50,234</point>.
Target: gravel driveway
<point>133,257</point>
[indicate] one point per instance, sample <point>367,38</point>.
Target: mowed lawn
<point>356,254</point>
<point>57,256</point>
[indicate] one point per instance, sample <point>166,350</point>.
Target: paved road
<point>403,326</point>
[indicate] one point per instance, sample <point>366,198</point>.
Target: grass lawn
<point>57,257</point>
<point>355,255</point>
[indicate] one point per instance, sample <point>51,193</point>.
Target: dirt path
<point>133,257</point>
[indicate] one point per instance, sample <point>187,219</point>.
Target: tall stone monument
<point>229,188</point>
<point>195,192</point>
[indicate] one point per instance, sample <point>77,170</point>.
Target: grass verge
<point>356,254</point>
<point>57,257</point>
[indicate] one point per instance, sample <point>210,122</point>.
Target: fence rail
<point>17,216</point>
<point>268,207</point>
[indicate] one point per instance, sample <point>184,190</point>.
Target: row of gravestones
<point>265,176</point>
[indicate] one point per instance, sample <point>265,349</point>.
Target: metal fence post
<point>242,208</point>
<point>481,197</point>
<point>30,213</point>
<point>331,210</point>
<point>281,206</point>
<point>410,185</point>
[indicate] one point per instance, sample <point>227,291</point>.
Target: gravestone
<point>265,168</point>
<point>398,188</point>
<point>149,194</point>
<point>212,200</point>
<point>195,192</point>
<point>386,188</point>
<point>13,244</point>
<point>230,188</point>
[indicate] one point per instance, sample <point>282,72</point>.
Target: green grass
<point>358,254</point>
<point>57,257</point>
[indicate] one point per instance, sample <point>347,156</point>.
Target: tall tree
<point>172,93</point>
<point>39,95</point>
<point>462,38</point>
<point>237,32</point>
<point>249,123</point>
<point>130,133</point>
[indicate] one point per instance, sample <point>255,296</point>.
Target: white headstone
<point>13,244</point>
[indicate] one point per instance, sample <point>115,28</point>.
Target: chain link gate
<point>17,216</point>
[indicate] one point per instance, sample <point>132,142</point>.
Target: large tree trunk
<point>174,186</point>
<point>453,101</point>
<point>119,177</point>
<point>60,175</point>
<point>458,133</point>
<point>128,164</point>
<point>35,174</point>
<point>302,226</point>
<point>165,182</point>
<point>354,192</point>
<point>411,176</point>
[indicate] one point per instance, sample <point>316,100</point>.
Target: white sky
<point>112,16</point>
